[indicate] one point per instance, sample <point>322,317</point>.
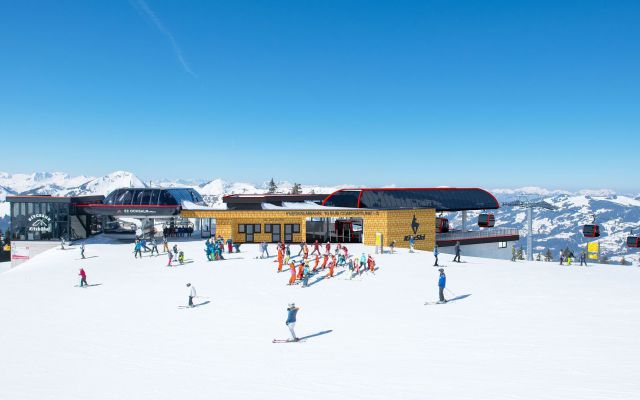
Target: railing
<point>483,234</point>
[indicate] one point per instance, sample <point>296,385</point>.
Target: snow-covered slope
<point>106,184</point>
<point>523,331</point>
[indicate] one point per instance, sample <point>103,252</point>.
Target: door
<point>288,233</point>
<point>249,233</point>
<point>275,233</point>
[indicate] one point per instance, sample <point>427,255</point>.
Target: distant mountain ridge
<point>616,213</point>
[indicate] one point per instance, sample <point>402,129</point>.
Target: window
<point>502,245</point>
<point>240,228</point>
<point>256,228</point>
<point>267,228</point>
<point>296,228</point>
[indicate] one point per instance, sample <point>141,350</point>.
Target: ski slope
<point>526,330</point>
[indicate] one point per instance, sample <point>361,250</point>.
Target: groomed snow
<point>527,330</point>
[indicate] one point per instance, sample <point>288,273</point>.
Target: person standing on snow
<point>137,250</point>
<point>229,245</point>
<point>392,246</point>
<point>165,244</point>
<point>154,247</point>
<point>82,251</point>
<point>316,248</point>
<point>583,259</point>
<point>561,257</point>
<point>170,256</point>
<point>327,247</point>
<point>457,249</point>
<point>442,283</point>
<point>513,252</point>
<point>292,269</point>
<point>292,312</point>
<point>302,244</point>
<point>192,294</point>
<point>435,255</point>
<point>305,275</point>
<point>61,243</point>
<point>83,278</point>
<point>412,242</point>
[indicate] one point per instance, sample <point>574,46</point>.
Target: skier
<point>305,251</point>
<point>292,269</point>
<point>300,271</point>
<point>82,251</point>
<point>143,243</point>
<point>457,249</point>
<point>315,265</point>
<point>264,250</point>
<point>327,247</point>
<point>332,265</point>
<point>363,262</point>
<point>412,242</point>
<point>181,257</point>
<point>583,259</point>
<point>292,311</point>
<point>192,294</point>
<point>513,252</point>
<point>83,277</point>
<point>170,255</point>
<point>175,249</point>
<point>325,258</point>
<point>165,244</point>
<point>392,246</point>
<point>350,269</point>
<point>561,257</point>
<point>279,260</point>
<point>442,282</point>
<point>435,254</point>
<point>316,247</point>
<point>287,251</point>
<point>229,245</point>
<point>305,275</point>
<point>371,263</point>
<point>61,243</point>
<point>137,250</point>
<point>154,247</point>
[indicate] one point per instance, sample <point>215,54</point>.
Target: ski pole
<point>453,294</point>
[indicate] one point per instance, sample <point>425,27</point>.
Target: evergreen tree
<point>272,187</point>
<point>296,188</point>
<point>548,257</point>
<point>520,254</point>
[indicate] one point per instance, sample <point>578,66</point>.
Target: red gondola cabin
<point>591,231</point>
<point>486,220</point>
<point>442,225</point>
<point>633,241</point>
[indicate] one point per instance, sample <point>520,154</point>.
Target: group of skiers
<point>568,257</point>
<point>215,247</point>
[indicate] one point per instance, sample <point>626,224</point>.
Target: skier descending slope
<point>192,293</point>
<point>82,251</point>
<point>442,283</point>
<point>83,277</point>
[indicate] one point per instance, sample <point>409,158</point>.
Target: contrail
<point>156,21</point>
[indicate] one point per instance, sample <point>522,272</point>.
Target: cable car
<point>633,241</point>
<point>591,231</point>
<point>442,225</point>
<point>486,220</point>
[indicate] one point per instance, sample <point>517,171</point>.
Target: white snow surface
<point>527,330</point>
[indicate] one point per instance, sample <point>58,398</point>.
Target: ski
<point>435,303</point>
<point>286,341</point>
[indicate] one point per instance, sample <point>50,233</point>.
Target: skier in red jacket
<point>83,277</point>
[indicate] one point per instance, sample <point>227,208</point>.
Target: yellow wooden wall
<point>393,224</point>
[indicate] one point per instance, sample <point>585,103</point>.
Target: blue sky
<point>412,93</point>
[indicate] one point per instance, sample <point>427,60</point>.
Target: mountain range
<point>616,213</point>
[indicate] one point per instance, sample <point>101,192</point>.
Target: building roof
<point>441,199</point>
<point>54,199</point>
<point>271,198</point>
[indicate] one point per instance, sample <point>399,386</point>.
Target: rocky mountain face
<point>554,230</point>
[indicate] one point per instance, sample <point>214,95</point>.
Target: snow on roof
<point>188,205</point>
<point>307,205</point>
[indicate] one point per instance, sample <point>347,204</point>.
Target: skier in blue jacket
<point>292,311</point>
<point>442,282</point>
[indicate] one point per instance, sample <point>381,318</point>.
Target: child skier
<point>305,275</point>
<point>154,247</point>
<point>371,264</point>
<point>165,244</point>
<point>300,271</point>
<point>315,265</point>
<point>137,250</point>
<point>170,255</point>
<point>327,248</point>
<point>412,242</point>
<point>83,277</point>
<point>350,269</point>
<point>332,265</point>
<point>292,312</point>
<point>363,261</point>
<point>175,249</point>
<point>292,269</point>
<point>181,257</point>
<point>457,250</point>
<point>435,255</point>
<point>324,261</point>
<point>82,251</point>
<point>316,248</point>
<point>279,260</point>
<point>229,245</point>
<point>192,294</point>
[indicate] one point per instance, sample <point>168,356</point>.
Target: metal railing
<point>483,234</point>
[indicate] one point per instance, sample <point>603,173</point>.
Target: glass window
<point>296,228</point>
<point>256,228</point>
<point>267,228</point>
<point>145,197</point>
<point>241,228</point>
<point>155,196</point>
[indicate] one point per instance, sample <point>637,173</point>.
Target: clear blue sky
<point>482,93</point>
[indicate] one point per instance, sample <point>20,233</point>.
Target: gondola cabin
<point>442,225</point>
<point>591,231</point>
<point>633,241</point>
<point>486,220</point>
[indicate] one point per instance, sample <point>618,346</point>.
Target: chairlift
<point>442,225</point>
<point>591,230</point>
<point>486,220</point>
<point>633,241</point>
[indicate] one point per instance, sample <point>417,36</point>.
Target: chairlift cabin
<point>442,225</point>
<point>633,241</point>
<point>486,220</point>
<point>591,231</point>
